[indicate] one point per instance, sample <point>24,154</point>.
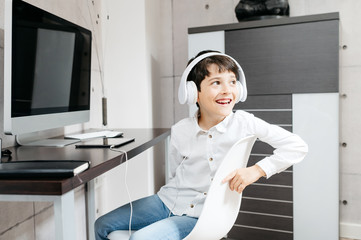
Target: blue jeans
<point>150,220</point>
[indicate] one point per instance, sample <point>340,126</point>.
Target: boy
<point>215,82</point>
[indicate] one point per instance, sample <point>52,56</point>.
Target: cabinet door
<point>267,205</point>
<point>316,179</point>
<point>285,59</point>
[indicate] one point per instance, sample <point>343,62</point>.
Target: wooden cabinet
<point>292,70</point>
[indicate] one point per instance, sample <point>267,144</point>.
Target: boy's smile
<point>224,101</point>
<point>217,96</point>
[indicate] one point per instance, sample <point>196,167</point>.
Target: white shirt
<point>196,154</point>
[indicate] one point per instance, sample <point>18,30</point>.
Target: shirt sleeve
<point>289,147</point>
<point>174,156</point>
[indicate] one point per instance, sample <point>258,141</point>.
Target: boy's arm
<point>289,147</point>
<point>240,178</point>
<point>173,159</point>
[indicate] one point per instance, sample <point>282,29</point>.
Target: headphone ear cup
<point>240,91</point>
<point>192,92</point>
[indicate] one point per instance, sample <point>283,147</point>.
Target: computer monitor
<point>47,66</point>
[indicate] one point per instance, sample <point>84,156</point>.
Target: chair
<point>119,235</point>
<point>222,205</point>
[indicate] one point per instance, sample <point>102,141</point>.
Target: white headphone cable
<point>176,183</point>
<point>126,185</point>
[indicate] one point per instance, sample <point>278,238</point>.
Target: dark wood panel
<point>260,147</point>
<point>264,221</point>
<point>254,159</point>
<point>268,207</point>
<point>241,233</point>
<point>266,22</point>
<point>297,58</point>
<point>36,187</point>
<point>282,178</point>
<point>274,117</point>
<point>288,128</point>
<point>269,192</point>
<point>266,102</point>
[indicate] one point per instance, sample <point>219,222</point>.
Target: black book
<point>104,143</point>
<point>42,169</point>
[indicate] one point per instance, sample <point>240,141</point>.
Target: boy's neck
<point>207,123</point>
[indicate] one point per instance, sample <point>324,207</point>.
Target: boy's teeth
<point>224,101</point>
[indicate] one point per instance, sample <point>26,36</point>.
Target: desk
<point>61,191</point>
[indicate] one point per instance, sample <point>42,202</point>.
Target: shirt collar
<point>220,127</point>
<point>198,129</point>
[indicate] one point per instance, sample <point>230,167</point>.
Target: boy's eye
<point>215,83</point>
<point>234,82</point>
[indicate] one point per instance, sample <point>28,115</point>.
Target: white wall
<point>127,76</point>
<point>134,48</point>
<point>127,89</point>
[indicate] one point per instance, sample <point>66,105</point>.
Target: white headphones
<point>188,92</point>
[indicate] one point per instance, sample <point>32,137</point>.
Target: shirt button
<point>205,193</point>
<point>210,159</point>
<point>210,136</point>
<point>211,179</point>
<point>192,206</point>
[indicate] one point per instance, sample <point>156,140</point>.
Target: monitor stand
<point>37,140</point>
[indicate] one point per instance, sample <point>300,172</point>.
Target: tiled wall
<point>35,220</point>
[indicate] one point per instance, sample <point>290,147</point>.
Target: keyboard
<point>98,134</point>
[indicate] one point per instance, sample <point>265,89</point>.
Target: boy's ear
<point>192,92</point>
<point>183,94</point>
<point>240,92</point>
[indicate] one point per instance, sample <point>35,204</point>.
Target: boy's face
<point>218,94</point>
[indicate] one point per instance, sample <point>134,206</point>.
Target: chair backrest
<point>222,205</point>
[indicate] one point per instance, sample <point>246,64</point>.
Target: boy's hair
<point>200,70</point>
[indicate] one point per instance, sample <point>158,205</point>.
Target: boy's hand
<point>240,178</point>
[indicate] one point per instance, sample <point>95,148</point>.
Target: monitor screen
<point>47,70</point>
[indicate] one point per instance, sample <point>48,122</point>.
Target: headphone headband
<point>182,91</point>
